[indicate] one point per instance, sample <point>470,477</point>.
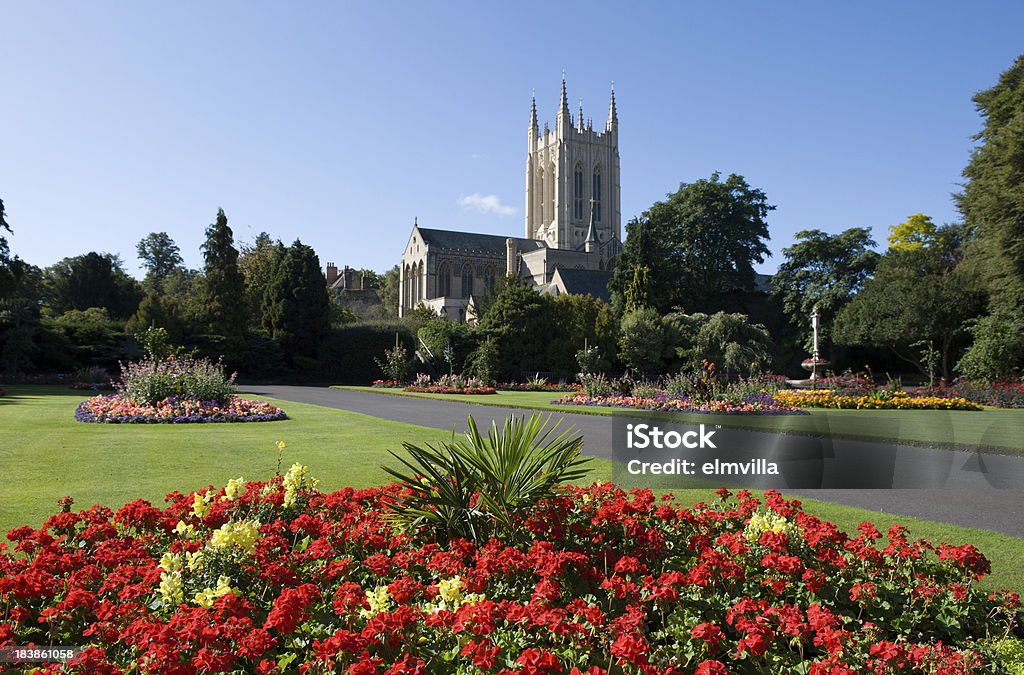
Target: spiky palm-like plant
<point>479,486</point>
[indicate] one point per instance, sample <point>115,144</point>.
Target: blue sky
<point>340,122</point>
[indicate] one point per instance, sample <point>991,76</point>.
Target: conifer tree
<point>223,289</point>
<point>295,304</point>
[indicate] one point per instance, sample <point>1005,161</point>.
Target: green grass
<point>992,428</point>
<point>48,455</point>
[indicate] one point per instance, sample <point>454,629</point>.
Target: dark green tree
<point>223,287</point>
<point>91,280</point>
<point>581,321</point>
<point>296,310</point>
<point>387,290</point>
<point>699,246</point>
<point>161,258</point>
<point>918,301</point>
<point>730,341</point>
<point>992,203</point>
<point>521,321</point>
<point>642,341</point>
<point>258,262</point>
<point>8,266</point>
<point>825,271</point>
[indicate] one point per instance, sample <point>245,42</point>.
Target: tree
<point>387,291</point>
<point>917,301</point>
<point>992,203</point>
<point>257,262</point>
<point>642,343</point>
<point>9,266</point>
<point>223,288</point>
<point>699,246</point>
<point>296,311</point>
<point>823,271</point>
<point>581,321</point>
<point>918,232</point>
<point>521,321</point>
<point>730,341</point>
<point>91,280</point>
<point>160,256</point>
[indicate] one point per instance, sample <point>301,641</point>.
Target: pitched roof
<point>586,282</point>
<point>472,241</point>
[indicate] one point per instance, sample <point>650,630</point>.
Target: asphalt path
<point>970,498</point>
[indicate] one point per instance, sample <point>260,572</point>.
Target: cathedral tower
<point>572,180</point>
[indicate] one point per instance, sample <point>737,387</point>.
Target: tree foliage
<point>8,265</point>
<point>729,340</point>
<point>91,280</point>
<point>825,271</point>
<point>698,246</point>
<point>296,311</point>
<point>257,262</point>
<point>642,341</point>
<point>223,287</point>
<point>521,321</point>
<point>160,256</point>
<point>916,233</point>
<point>920,295</point>
<point>992,203</point>
<point>581,321</point>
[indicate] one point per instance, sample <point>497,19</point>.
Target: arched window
<point>406,288</point>
<point>444,280</point>
<point>467,281</point>
<point>490,278</point>
<point>550,197</point>
<point>597,193</point>
<point>540,196</point>
<point>421,283</point>
<point>577,187</point>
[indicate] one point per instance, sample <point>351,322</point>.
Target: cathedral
<point>573,223</point>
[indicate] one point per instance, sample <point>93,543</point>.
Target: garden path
<point>983,508</point>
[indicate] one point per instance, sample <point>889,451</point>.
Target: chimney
<point>331,274</point>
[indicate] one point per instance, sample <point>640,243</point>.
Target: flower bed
<point>899,400</point>
<point>387,384</point>
<point>275,576</point>
<point>444,389</point>
<point>752,405</point>
<point>118,409</point>
<point>1002,394</point>
<point>536,386</point>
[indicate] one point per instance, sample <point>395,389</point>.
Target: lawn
<point>993,428</point>
<point>48,455</point>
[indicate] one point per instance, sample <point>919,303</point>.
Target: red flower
<point>711,668</point>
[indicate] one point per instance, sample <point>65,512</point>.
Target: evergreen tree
<point>8,266</point>
<point>992,203</point>
<point>296,310</point>
<point>258,262</point>
<point>223,288</point>
<point>91,280</point>
<point>521,321</point>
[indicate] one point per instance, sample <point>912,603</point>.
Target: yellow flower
<point>170,587</point>
<point>242,534</point>
<point>201,503</point>
<point>206,597</point>
<point>281,445</point>
<point>378,600</point>
<point>769,522</point>
<point>184,529</point>
<point>294,480</point>
<point>233,489</point>
<point>171,562</point>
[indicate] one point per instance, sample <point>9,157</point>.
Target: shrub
<point>395,364</point>
<point>150,381</point>
<point>998,348</point>
<point>589,361</point>
<point>485,361</point>
<point>595,385</point>
<point>480,487</point>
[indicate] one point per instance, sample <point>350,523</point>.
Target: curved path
<point>988,509</point>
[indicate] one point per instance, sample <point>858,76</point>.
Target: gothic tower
<point>572,180</point>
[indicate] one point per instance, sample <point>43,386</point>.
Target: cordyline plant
<point>478,487</point>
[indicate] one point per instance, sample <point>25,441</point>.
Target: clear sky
<point>339,122</point>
